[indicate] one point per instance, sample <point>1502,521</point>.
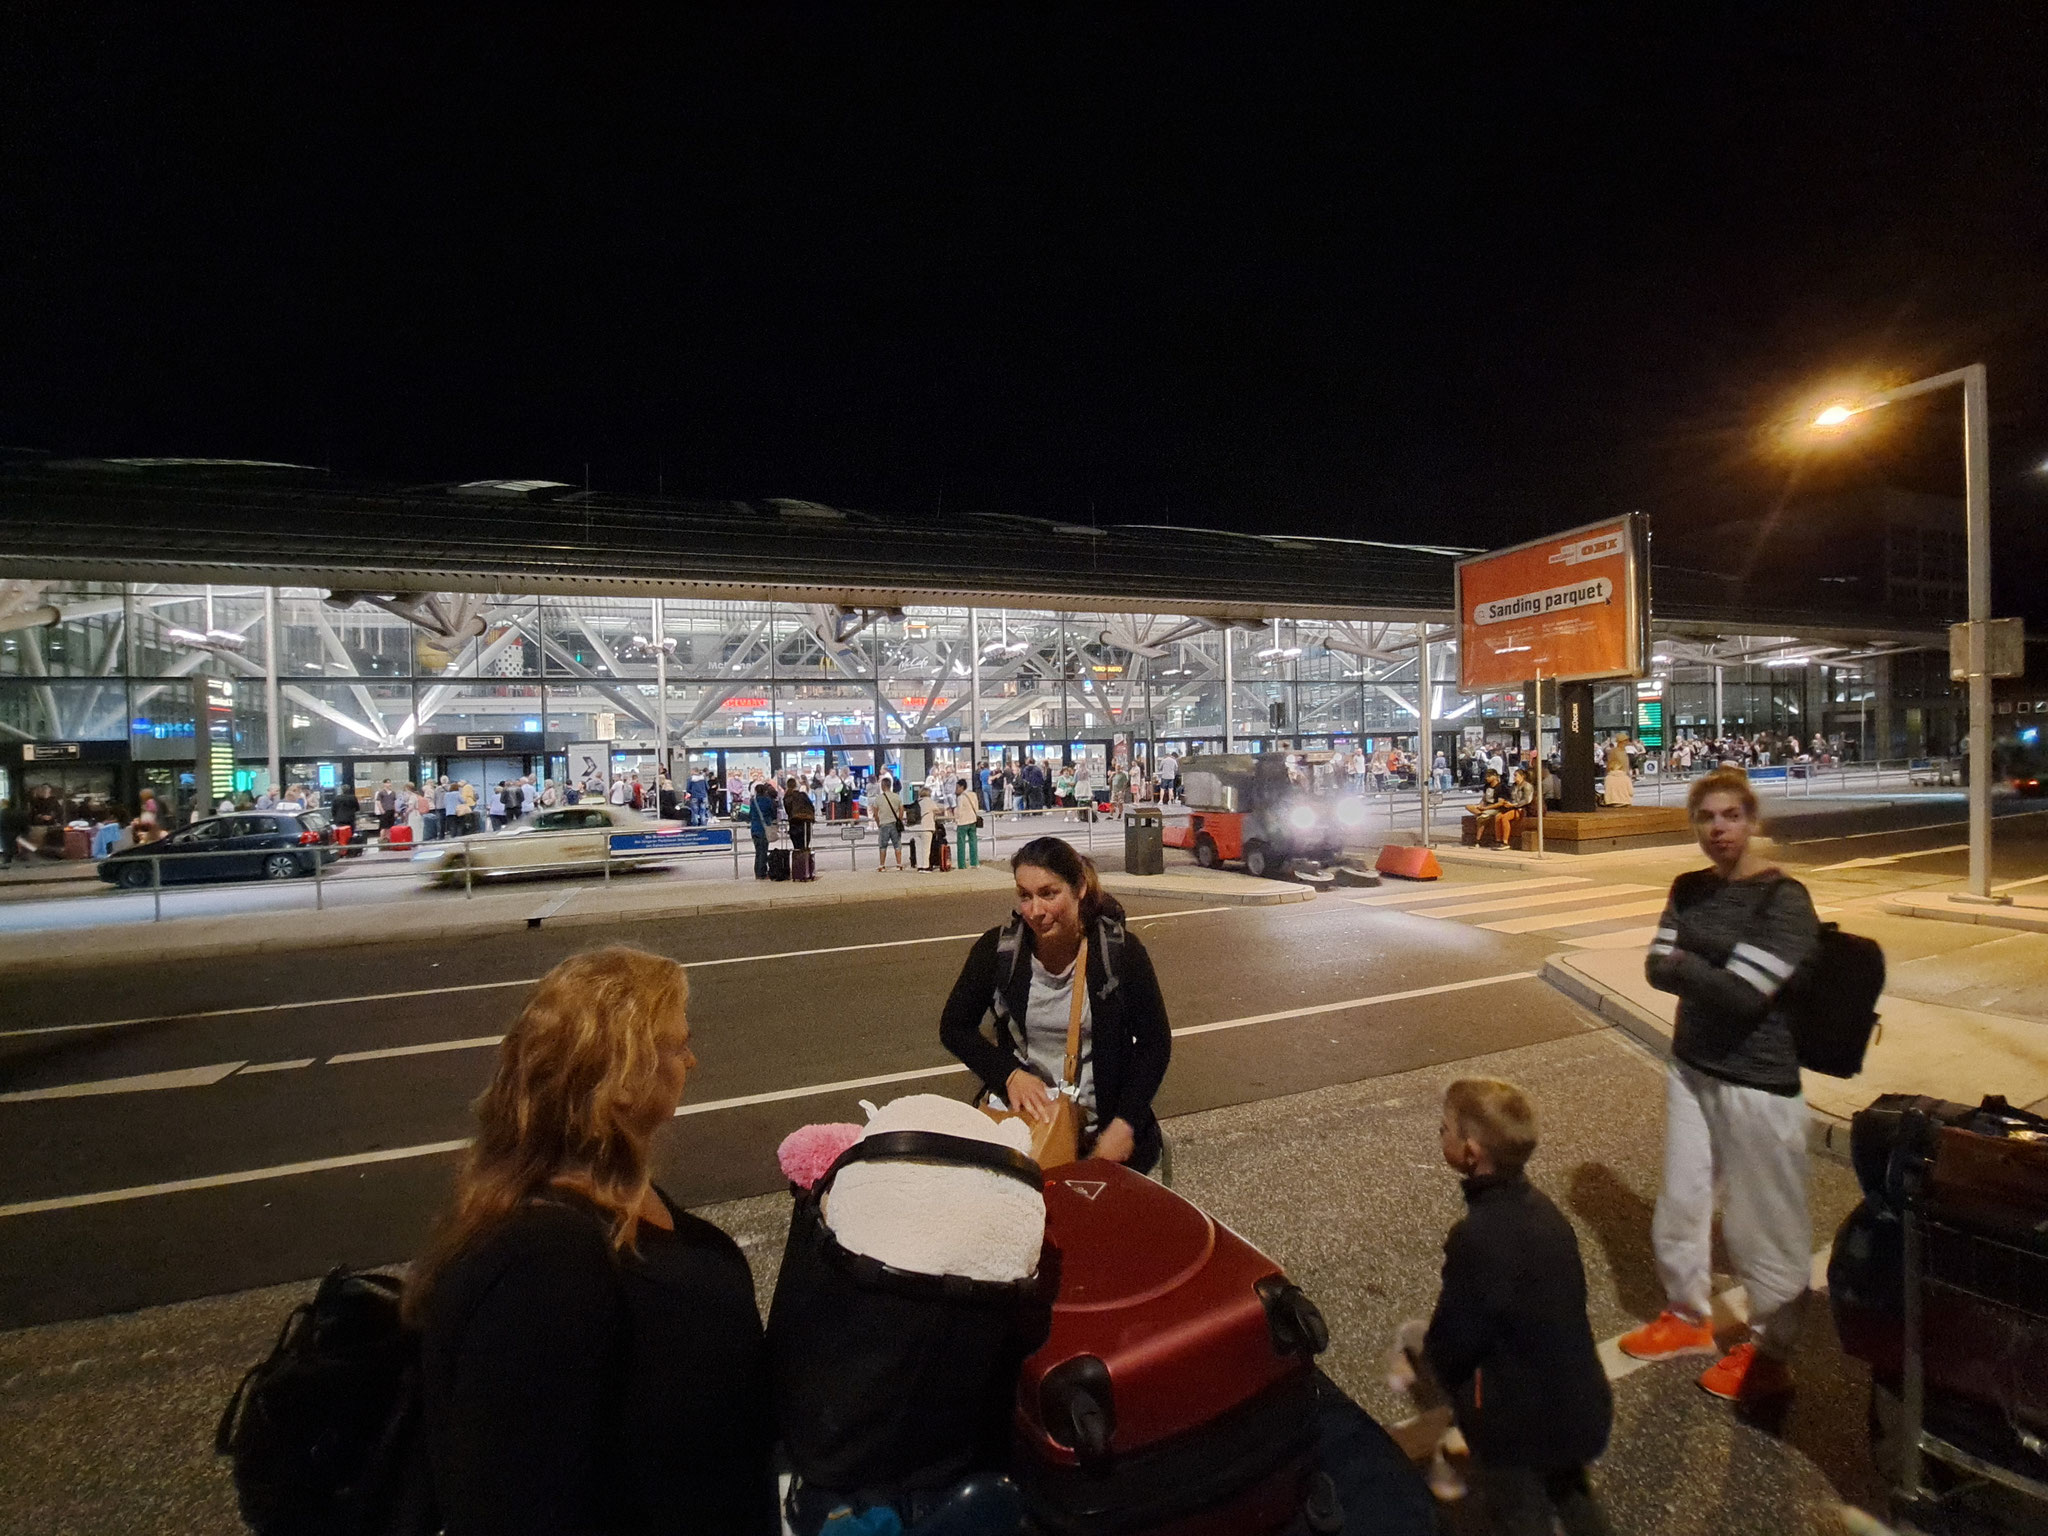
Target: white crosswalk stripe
<point>1546,904</point>
<point>1621,938</point>
<point>1408,895</point>
<point>1549,920</point>
<point>1519,902</point>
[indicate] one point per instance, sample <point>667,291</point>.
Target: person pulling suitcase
<point>803,814</point>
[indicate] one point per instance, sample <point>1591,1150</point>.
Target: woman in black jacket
<point>592,1356</point>
<point>1019,979</point>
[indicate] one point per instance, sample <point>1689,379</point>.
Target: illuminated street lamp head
<point>1834,415</point>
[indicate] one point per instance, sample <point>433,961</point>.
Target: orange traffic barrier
<point>1409,863</point>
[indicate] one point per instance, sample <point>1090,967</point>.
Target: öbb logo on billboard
<point>1518,620</point>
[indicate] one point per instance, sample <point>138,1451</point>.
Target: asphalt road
<point>221,1079</point>
<point>172,1130</point>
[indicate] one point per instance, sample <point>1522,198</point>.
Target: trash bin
<point>1144,844</point>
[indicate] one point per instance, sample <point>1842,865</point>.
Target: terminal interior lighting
<point>208,640</point>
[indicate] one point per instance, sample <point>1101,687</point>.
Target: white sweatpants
<point>1752,1145</point>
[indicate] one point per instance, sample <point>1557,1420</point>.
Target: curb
<point>121,940</point>
<point>1826,1136</point>
<point>2019,919</point>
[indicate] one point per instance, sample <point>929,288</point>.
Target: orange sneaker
<point>1669,1337</point>
<point>1747,1374</point>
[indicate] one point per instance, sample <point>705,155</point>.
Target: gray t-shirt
<point>1045,1032</point>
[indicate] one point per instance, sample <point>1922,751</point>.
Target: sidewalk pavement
<point>2028,914</point>
<point>562,904</point>
<point>106,1423</point>
<point>1921,1047</point>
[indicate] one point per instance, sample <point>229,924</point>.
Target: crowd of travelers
<point>594,1359</point>
<point>41,827</point>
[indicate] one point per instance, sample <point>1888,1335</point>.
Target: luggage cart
<point>1965,1254</point>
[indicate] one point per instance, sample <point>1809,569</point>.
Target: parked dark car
<point>243,845</point>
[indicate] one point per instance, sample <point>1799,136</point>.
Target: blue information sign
<point>672,840</point>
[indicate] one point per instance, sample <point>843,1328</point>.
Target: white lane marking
<point>1932,826</point>
<point>277,1066</point>
<point>184,1077</point>
<point>1354,1002</point>
<point>1156,917</point>
<point>1548,921</point>
<point>522,981</point>
<point>1453,892</point>
<point>1731,1311</point>
<point>781,1094</point>
<point>2013,885</point>
<point>835,949</point>
<point>1556,899</point>
<point>473,1043</point>
<point>222,1180</point>
<point>229,1013</point>
<point>430,1149</point>
<point>1889,858</point>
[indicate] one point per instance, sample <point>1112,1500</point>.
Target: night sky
<point>1250,269</point>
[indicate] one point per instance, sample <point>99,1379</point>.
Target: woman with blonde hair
<point>592,1356</point>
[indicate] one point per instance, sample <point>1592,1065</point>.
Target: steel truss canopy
<point>172,521</point>
<point>430,554</point>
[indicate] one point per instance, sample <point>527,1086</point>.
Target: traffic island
<point>1609,829</point>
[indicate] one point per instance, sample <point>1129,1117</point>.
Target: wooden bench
<point>1621,826</point>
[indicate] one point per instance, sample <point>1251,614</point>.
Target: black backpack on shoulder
<point>1832,1002</point>
<point>325,1431</point>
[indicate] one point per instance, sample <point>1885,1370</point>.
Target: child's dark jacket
<point>1510,1341</point>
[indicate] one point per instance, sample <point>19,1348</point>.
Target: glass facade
<point>373,688</point>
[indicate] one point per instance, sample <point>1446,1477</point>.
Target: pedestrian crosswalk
<point>1584,911</point>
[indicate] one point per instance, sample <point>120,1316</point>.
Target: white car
<point>565,839</point>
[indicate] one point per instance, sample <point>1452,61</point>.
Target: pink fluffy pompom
<point>809,1150</point>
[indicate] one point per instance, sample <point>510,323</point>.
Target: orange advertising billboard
<point>1574,605</point>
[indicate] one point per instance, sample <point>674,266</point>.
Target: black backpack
<point>325,1432</point>
<point>1832,1002</point>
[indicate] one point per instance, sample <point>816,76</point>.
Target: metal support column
<point>1229,692</point>
<point>973,694</point>
<point>660,696</point>
<point>271,642</point>
<point>1425,712</point>
<point>1977,515</point>
<point>1719,729</point>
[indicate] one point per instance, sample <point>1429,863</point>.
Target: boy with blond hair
<point>1510,1343</point>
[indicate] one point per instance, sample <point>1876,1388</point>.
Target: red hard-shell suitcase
<point>1175,1391</point>
<point>396,837</point>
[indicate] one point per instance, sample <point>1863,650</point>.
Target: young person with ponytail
<point>592,1356</point>
<point>1019,981</point>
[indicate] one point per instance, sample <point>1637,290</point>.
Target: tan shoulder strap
<point>1076,1003</point>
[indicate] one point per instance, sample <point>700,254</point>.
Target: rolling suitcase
<point>396,837</point>
<point>1176,1391</point>
<point>803,864</point>
<point>778,863</point>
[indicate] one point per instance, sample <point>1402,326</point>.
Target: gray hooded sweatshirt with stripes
<point>1727,948</point>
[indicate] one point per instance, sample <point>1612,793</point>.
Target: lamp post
<point>1977,519</point>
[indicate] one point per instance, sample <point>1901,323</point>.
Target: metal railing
<point>449,861</point>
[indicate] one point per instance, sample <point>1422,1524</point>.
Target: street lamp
<point>1977,519</point>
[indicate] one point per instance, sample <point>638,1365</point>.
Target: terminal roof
<point>240,521</point>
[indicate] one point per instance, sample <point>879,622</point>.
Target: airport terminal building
<point>322,631</point>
